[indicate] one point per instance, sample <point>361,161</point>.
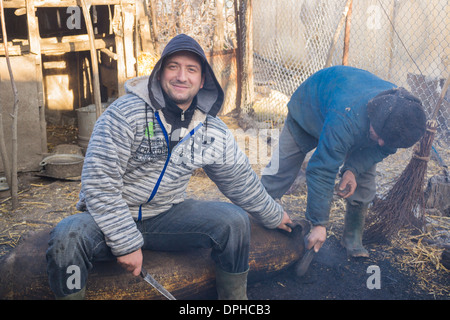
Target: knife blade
<point>303,265</point>
<point>155,284</point>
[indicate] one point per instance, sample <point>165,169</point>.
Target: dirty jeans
<point>287,161</point>
<point>224,227</point>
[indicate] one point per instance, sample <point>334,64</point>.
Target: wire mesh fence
<point>403,41</point>
<point>291,41</point>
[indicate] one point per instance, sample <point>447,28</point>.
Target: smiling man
<point>182,78</point>
<point>141,155</point>
<point>354,119</point>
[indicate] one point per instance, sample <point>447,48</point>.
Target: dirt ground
<point>408,269</point>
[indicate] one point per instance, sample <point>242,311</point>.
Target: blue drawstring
<point>166,136</point>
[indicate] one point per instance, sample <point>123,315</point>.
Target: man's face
<point>374,137</point>
<point>181,78</point>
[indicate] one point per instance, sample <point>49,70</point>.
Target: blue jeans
<point>224,227</point>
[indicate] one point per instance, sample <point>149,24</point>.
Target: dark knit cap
<point>397,117</point>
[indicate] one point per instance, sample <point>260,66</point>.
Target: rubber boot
<point>80,295</point>
<point>355,218</point>
<point>231,286</point>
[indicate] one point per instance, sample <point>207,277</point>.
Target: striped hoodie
<point>129,173</point>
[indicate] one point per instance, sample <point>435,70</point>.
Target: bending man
<point>354,120</point>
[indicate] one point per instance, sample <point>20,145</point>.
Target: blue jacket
<point>331,107</point>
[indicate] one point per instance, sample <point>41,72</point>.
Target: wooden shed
<point>51,55</point>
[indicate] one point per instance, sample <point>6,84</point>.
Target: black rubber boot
<point>80,295</point>
<point>355,218</point>
<point>231,286</point>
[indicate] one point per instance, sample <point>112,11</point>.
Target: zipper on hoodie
<point>169,153</point>
<point>164,168</point>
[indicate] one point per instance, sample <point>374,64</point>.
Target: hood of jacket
<point>209,99</point>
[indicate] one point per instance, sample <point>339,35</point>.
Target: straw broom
<point>397,210</point>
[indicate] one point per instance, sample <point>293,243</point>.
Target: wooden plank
<point>348,20</point>
<point>336,35</point>
<point>219,33</point>
<point>121,76</point>
<point>30,146</point>
<point>15,50</point>
<point>128,40</point>
<point>94,59</point>
<point>33,28</point>
<point>237,21</point>
<point>391,44</point>
<point>63,3</point>
<point>154,26</point>
<point>245,55</point>
<point>64,44</point>
<point>35,48</point>
<point>78,45</point>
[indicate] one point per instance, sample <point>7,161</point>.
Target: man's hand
<point>284,223</point>
<point>347,186</point>
<point>132,262</point>
<point>316,238</point>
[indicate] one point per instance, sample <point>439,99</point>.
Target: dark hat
<point>397,117</point>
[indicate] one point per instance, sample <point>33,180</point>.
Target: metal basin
<point>62,166</point>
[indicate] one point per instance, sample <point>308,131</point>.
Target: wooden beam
<point>76,45</point>
<point>33,28</point>
<point>348,20</point>
<point>94,59</point>
<point>62,3</point>
<point>391,44</point>
<point>237,22</point>
<point>59,45</point>
<point>117,29</point>
<point>34,41</point>
<point>219,33</point>
<point>128,15</point>
<point>336,35</point>
<point>244,31</point>
<point>154,25</point>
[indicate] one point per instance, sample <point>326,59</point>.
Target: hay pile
<point>41,205</point>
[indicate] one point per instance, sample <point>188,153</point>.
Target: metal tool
<point>155,284</point>
<point>303,265</point>
<point>341,193</point>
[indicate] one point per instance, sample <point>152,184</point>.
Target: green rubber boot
<point>355,218</point>
<point>231,286</point>
<point>80,295</point>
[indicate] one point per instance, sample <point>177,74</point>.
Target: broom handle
<point>441,98</point>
